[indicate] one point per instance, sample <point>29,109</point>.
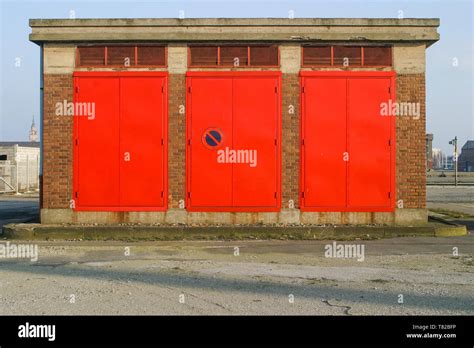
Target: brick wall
<point>176,140</point>
<point>57,143</point>
<point>411,134</point>
<point>58,149</point>
<point>290,149</point>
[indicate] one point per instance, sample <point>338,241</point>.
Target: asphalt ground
<point>406,276</point>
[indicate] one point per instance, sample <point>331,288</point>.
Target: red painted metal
<point>210,106</point>
<point>332,65</point>
<point>335,118</point>
<point>368,138</point>
<point>142,138</point>
<point>245,107</point>
<point>131,116</point>
<point>136,57</point>
<point>96,144</point>
<point>192,65</point>
<point>324,142</point>
<point>255,120</point>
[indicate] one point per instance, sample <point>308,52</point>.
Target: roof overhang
<point>311,30</point>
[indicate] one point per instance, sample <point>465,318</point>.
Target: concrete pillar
<point>177,58</point>
<point>59,59</point>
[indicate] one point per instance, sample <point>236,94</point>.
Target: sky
<point>449,90</point>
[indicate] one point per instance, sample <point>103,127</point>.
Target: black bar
<point>225,330</point>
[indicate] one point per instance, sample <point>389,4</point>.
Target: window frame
<point>135,64</point>
<point>362,64</point>
<point>220,66</point>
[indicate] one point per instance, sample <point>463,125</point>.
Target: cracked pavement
<point>406,276</point>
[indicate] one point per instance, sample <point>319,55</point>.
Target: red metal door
<point>120,153</point>
<point>369,143</point>
<point>142,139</point>
<point>348,150</point>
<point>255,129</point>
<point>233,141</point>
<point>324,142</point>
<point>209,130</point>
<point>97,142</point>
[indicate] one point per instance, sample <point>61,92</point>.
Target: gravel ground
<point>265,277</point>
<point>450,194</point>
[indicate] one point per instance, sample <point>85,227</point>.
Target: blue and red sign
<point>212,138</point>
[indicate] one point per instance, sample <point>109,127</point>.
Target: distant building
<point>466,158</point>
<point>437,158</point>
<point>33,136</point>
<point>19,160</point>
<point>429,151</point>
<point>448,162</point>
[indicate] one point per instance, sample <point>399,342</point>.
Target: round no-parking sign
<point>212,138</point>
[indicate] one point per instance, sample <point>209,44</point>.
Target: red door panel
<point>341,115</point>
<point>369,168</point>
<point>211,119</point>
<point>142,141</point>
<point>97,163</point>
<point>324,142</point>
<point>255,106</point>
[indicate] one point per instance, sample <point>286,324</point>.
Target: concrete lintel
<point>59,59</point>
<point>177,59</point>
<point>409,58</point>
<point>290,58</point>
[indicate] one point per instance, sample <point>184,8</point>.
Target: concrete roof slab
<point>235,29</point>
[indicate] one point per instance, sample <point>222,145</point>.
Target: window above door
<point>233,56</point>
<point>344,56</point>
<point>121,56</point>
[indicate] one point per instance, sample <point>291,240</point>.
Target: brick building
<point>19,166</point>
<point>171,115</point>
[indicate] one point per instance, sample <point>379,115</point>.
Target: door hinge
<point>189,194</point>
<point>389,142</point>
<point>390,90</point>
<point>77,142</point>
<point>276,89</point>
<point>77,194</point>
<point>302,142</point>
<point>302,194</point>
<point>189,89</point>
<point>302,89</point>
<point>276,195</point>
<point>389,195</point>
<point>77,89</point>
<point>162,89</point>
<point>276,142</point>
<point>162,141</point>
<point>162,194</point>
<point>189,142</point>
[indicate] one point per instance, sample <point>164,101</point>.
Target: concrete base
<point>438,228</point>
<point>400,217</point>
